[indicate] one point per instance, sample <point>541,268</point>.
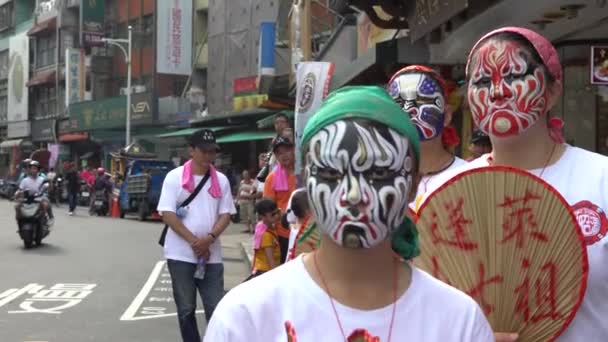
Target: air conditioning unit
<point>139,89</point>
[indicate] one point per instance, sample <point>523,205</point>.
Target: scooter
<point>85,194</point>
<point>31,220</point>
<point>100,203</point>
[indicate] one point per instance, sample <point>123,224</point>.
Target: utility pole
<point>119,43</point>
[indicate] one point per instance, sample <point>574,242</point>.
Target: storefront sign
<point>18,129</point>
<point>43,130</point>
<point>74,76</point>
<point>246,96</point>
<point>91,22</point>
<point>429,14</point>
<point>108,113</point>
<point>174,29</point>
<point>599,65</point>
<point>19,48</point>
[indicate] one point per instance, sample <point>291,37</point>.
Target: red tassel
<point>450,137</point>
<point>555,130</point>
<point>291,332</point>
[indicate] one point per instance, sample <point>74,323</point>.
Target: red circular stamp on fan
<point>592,220</point>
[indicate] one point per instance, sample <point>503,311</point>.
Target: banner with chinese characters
<point>92,14</point>
<point>312,82</point>
<point>19,66</point>
<point>74,76</point>
<point>511,242</point>
<point>174,30</point>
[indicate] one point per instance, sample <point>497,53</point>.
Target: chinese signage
<point>74,76</point>
<point>174,29</point>
<point>312,80</point>
<point>108,113</point>
<point>91,22</point>
<point>19,50</point>
<point>246,94</point>
<point>429,14</point>
<point>40,299</point>
<point>511,243</point>
<point>599,65</point>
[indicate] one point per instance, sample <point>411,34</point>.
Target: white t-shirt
<point>581,177</point>
<point>257,310</point>
<point>32,185</point>
<point>202,214</point>
<point>425,182</point>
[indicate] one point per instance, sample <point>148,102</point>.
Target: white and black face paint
<point>358,178</point>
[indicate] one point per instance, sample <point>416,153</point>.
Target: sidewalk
<point>233,237</point>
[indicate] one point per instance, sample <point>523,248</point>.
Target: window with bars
<point>46,102</point>
<point>6,16</point>
<point>45,50</point>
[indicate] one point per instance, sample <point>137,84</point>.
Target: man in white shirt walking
<point>192,247</point>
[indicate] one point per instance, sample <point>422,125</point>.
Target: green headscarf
<point>374,104</point>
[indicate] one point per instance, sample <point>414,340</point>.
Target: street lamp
<point>127,53</point>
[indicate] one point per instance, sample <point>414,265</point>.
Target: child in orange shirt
<point>267,253</point>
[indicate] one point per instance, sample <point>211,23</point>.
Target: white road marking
<point>149,312</point>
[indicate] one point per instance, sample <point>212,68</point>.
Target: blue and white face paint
<point>422,98</point>
<point>358,177</point>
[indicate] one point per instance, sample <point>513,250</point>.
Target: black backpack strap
<point>199,187</point>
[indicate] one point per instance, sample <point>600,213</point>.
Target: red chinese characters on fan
<point>535,294</point>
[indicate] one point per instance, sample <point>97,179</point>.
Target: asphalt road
<point>93,279</point>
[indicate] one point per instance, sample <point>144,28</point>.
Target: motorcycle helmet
<point>101,171</point>
<point>34,163</point>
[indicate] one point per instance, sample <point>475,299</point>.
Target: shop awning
<point>189,131</point>
<point>43,26</point>
<point>246,136</point>
<point>42,78</point>
<point>11,143</point>
<point>268,121</point>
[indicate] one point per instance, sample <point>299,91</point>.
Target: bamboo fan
<point>308,239</point>
<point>510,241</point>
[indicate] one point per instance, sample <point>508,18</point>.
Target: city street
<point>94,279</point>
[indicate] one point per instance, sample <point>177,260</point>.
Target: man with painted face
<point>515,77</point>
<point>422,93</point>
<point>361,167</point>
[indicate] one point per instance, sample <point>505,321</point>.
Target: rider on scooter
<point>33,185</point>
<point>101,183</point>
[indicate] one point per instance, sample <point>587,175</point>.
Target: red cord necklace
<point>333,306</point>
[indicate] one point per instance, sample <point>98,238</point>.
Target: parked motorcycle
<point>31,220</point>
<point>8,189</point>
<point>100,203</point>
<point>84,198</point>
<point>60,192</point>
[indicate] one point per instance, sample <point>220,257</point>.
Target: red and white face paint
<point>507,93</point>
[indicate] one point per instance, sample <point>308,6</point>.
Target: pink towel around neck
<point>260,229</point>
<point>188,180</point>
<point>280,181</point>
